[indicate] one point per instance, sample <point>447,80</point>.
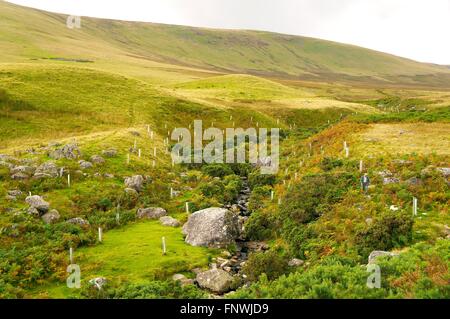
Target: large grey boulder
<point>212,227</point>
<point>135,182</point>
<point>46,170</point>
<point>51,217</point>
<point>151,213</point>
<point>376,254</point>
<point>215,280</point>
<point>38,203</point>
<point>69,151</point>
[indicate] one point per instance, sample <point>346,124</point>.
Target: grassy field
<point>133,254</point>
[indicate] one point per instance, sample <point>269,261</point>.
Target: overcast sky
<point>417,29</point>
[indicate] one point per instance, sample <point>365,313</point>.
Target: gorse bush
<point>217,170</point>
<point>272,264</point>
<point>151,290</point>
<point>388,231</point>
<point>313,195</point>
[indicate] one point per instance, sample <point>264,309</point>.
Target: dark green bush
<point>272,263</point>
<point>217,170</point>
<point>391,230</point>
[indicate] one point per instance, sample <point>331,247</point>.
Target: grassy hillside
<point>104,86</point>
<point>31,34</point>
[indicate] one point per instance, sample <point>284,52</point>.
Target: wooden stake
<point>272,195</point>
<point>100,234</point>
<point>164,245</point>
<point>187,207</point>
<point>71,255</point>
<point>415,206</point>
<point>68,180</point>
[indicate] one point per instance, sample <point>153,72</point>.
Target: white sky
<point>417,29</point>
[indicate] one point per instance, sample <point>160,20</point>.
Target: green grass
<point>134,254</point>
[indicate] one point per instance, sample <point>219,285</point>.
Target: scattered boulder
<point>85,164</point>
<point>38,203</point>
<point>15,193</point>
<point>98,282</point>
<point>414,181</point>
<point>33,211</point>
<point>46,170</point>
<point>375,254</point>
<point>112,152</point>
<point>212,227</point>
<point>295,262</point>
<point>107,175</point>
<point>51,217</point>
<point>394,208</point>
<point>19,176</point>
<point>78,221</point>
<point>131,192</point>
<point>182,279</point>
<point>169,221</point>
<point>151,213</point>
<point>97,159</point>
<point>445,171</point>
<point>369,221</point>
<point>6,164</point>
<point>22,172</point>
<point>385,173</point>
<point>402,162</point>
<point>428,171</point>
<point>390,180</point>
<point>215,280</point>
<point>69,151</point>
<point>135,182</point>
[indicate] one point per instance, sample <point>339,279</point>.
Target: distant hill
<point>27,33</point>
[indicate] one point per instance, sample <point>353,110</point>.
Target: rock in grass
<point>295,262</point>
<point>46,170</point>
<point>375,254</point>
<point>182,279</point>
<point>390,180</point>
<point>135,182</point>
<point>15,192</point>
<point>151,213</point>
<point>97,159</point>
<point>78,221</point>
<point>169,221</point>
<point>51,217</point>
<point>212,227</point>
<point>445,171</point>
<point>85,164</point>
<point>215,280</point>
<point>69,151</point>
<point>38,203</point>
<point>110,152</point>
<point>131,192</point>
<point>98,282</point>
<point>22,172</point>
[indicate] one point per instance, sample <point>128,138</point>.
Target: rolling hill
<point>28,34</point>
